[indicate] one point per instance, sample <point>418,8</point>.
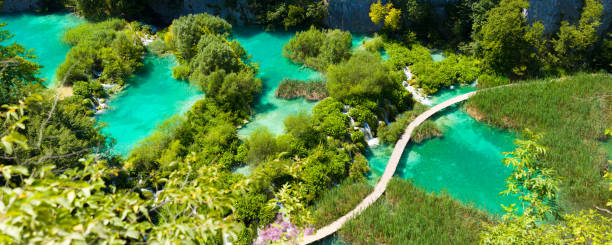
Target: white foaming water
<point>416,94</point>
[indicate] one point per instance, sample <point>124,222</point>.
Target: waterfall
<point>415,93</point>
<point>366,126</point>
<point>367,132</point>
<point>475,83</point>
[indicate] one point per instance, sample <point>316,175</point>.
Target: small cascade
<point>416,94</point>
<point>408,73</point>
<point>475,83</point>
<point>367,132</point>
<point>108,87</point>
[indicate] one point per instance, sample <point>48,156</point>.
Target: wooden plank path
<point>389,170</point>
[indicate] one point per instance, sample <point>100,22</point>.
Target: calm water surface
<point>466,162</point>
<point>152,96</point>
<point>43,33</point>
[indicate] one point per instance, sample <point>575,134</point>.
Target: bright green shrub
<point>181,72</point>
<point>318,49</point>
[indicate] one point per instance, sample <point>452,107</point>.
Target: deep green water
<point>151,97</point>
<point>42,33</point>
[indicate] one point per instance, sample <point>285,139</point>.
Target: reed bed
<point>409,215</point>
<point>573,112</point>
<point>310,90</point>
<point>338,201</point>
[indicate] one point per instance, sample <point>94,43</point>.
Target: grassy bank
<point>310,90</point>
<point>338,201</point>
<point>573,113</point>
<point>409,215</point>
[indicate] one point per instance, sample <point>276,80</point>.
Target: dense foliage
<point>221,68</point>
<point>18,69</point>
<point>429,75</point>
<point>392,132</point>
<point>107,51</point>
<point>537,188</point>
<point>310,90</point>
<point>409,215</point>
<point>290,13</point>
<point>319,49</point>
<point>101,9</point>
<point>509,45</point>
<point>573,113</point>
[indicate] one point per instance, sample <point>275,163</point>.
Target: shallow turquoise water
<point>437,55</point>
<point>266,49</point>
<point>465,162</point>
<point>42,33</point>
<point>151,97</point>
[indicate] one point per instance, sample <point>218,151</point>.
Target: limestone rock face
<point>171,9</point>
<point>352,15</point>
<point>551,12</point>
<point>10,6</point>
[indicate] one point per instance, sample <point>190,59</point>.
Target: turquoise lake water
<point>42,33</point>
<point>266,49</point>
<point>465,162</point>
<point>151,97</point>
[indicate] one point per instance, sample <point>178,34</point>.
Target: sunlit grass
<point>409,215</point>
<point>573,113</point>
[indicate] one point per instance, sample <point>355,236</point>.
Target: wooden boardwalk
<point>389,171</point>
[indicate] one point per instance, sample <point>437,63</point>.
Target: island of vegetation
<point>62,183</point>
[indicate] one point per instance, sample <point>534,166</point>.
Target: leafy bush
<point>108,51</point>
<point>328,118</point>
<point>181,72</point>
<point>361,76</point>
<point>374,44</point>
<point>318,49</point>
<point>186,32</point>
<point>392,132</point>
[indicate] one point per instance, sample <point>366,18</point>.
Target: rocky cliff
<point>551,12</point>
<point>351,15</point>
<point>168,10</point>
<point>344,14</point>
<point>10,6</point>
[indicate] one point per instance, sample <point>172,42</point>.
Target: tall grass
<point>338,201</point>
<point>310,90</point>
<point>409,215</point>
<point>573,113</point>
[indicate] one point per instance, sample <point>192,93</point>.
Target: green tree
<point>573,41</point>
<point>17,69</point>
<point>386,12</point>
<point>507,41</point>
<point>186,32</point>
<point>262,146</point>
<point>362,76</point>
